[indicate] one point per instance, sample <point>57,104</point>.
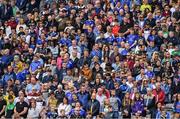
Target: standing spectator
<point>93,105</point>
<point>137,106</point>
<point>8,75</point>
<point>159,94</point>
<point>6,11</point>
<point>33,5</point>
<point>115,103</point>
<point>59,94</point>
<point>83,96</point>
<point>100,97</point>
<point>126,106</point>
<point>52,101</point>
<point>177,106</point>
<point>149,102</point>
<point>21,4</point>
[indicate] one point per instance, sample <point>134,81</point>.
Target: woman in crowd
<point>149,102</point>
<point>64,107</point>
<point>33,111</point>
<point>177,107</point>
<point>126,106</point>
<point>137,106</point>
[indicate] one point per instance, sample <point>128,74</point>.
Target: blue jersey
<point>151,38</point>
<point>120,39</point>
<point>65,41</point>
<point>89,23</point>
<point>131,39</point>
<point>110,39</point>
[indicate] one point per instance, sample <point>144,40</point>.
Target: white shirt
<point>100,99</point>
<point>33,113</point>
<point>8,31</point>
<point>129,84</point>
<point>65,107</point>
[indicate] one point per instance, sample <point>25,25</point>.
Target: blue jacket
<point>65,41</point>
<point>89,22</point>
<point>6,59</point>
<point>83,98</point>
<point>96,53</point>
<point>124,88</point>
<point>21,4</point>
<point>110,39</point>
<point>158,115</point>
<point>21,76</point>
<point>8,76</point>
<point>150,50</point>
<point>34,65</point>
<point>177,107</point>
<point>131,38</point>
<point>150,74</point>
<point>70,64</point>
<point>120,39</point>
<point>82,113</point>
<point>69,96</point>
<point>138,106</point>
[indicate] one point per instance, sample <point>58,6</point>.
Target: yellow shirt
<point>143,7</point>
<point>19,65</point>
<point>6,98</point>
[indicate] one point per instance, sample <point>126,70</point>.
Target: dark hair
<point>32,100</point>
<point>10,97</point>
<point>66,99</point>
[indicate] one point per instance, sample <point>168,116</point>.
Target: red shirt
<point>115,30</point>
<point>159,95</point>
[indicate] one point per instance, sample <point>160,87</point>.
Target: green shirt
<point>10,106</point>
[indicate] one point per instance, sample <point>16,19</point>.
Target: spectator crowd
<point>91,59</point>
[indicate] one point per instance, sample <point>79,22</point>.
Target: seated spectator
<point>10,107</point>
<point>65,107</point>
<point>10,93</point>
<point>161,113</point>
<point>33,88</point>
<point>3,105</point>
<point>177,106</point>
<point>52,101</point>
<point>21,108</point>
<point>33,111</point>
<point>159,94</point>
<point>86,72</point>
<point>77,112</point>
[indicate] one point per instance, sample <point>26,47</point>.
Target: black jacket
<point>93,106</point>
